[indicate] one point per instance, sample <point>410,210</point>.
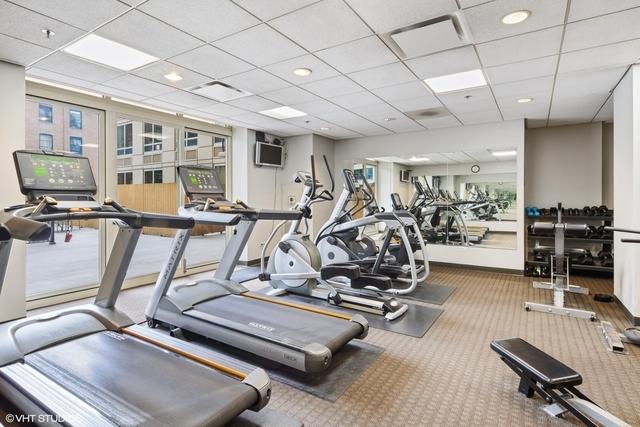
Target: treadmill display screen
<point>200,180</point>
<point>53,173</point>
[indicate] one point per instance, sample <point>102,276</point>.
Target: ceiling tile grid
<point>564,56</point>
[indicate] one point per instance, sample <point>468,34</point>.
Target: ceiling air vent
<point>430,113</point>
<point>423,38</point>
<point>219,91</point>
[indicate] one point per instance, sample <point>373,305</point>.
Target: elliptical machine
<point>295,265</point>
<point>341,239</point>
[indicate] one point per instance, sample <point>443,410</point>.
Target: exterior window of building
<point>75,119</point>
<point>125,178</point>
<point>153,176</point>
<point>75,144</point>
<point>125,139</point>
<point>45,141</point>
<point>190,139</point>
<point>45,113</point>
<point>219,146</point>
<point>152,137</point>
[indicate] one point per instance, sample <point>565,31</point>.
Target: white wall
<point>564,164</point>
<point>12,137</point>
<point>470,138</point>
<point>626,184</point>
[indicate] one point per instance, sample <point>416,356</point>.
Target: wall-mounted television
<point>404,175</point>
<point>269,154</point>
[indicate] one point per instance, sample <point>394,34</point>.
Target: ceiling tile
<point>387,75</point>
<point>207,116</point>
<point>309,122</point>
<point>289,96</point>
<point>331,87</point>
<point>158,70</point>
<point>428,39</point>
<point>400,123</point>
<point>186,99</point>
<point>201,18</point>
<point>485,20</point>
<point>253,103</point>
<point>440,122</point>
<point>532,88</point>
<point>370,130</point>
<point>223,110</point>
<point>256,81</point>
<point>321,25</point>
<point>357,99</point>
<point>26,25</point>
<point>138,85</point>
<point>315,108</point>
<point>260,45</point>
<point>606,113</point>
<point>582,9</point>
<point>533,111</point>
<point>211,62</point>
<point>413,104</point>
<point>58,78</point>
<point>602,30</point>
<point>521,48</point>
<point>337,133</point>
<point>387,15</point>
<point>402,91</point>
<point>378,112</point>
<point>464,4</point>
<point>522,70</point>
<point>319,69</point>
<point>20,52</point>
<point>148,34</point>
<point>342,117</point>
<point>619,54</point>
<point>70,65</point>
<point>117,93</point>
<point>358,55</point>
<point>267,10</point>
<point>448,62</point>
<point>79,13</point>
<point>577,110</point>
<point>163,104</point>
<point>586,83</point>
<point>470,100</point>
<point>488,115</point>
<point>254,118</point>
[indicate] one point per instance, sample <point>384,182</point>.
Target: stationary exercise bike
<point>295,265</point>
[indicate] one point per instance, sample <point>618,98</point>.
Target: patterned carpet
<point>451,377</point>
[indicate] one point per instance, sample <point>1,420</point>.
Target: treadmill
<point>90,364</point>
<point>300,336</point>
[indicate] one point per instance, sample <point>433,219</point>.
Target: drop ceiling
<point>460,157</point>
<point>568,56</point>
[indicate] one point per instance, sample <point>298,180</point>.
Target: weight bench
<point>554,381</point>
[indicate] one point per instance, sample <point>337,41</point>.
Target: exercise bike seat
<point>535,364</point>
<point>377,281</point>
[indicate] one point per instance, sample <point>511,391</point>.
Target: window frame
<point>71,111</point>
<point>153,174</point>
<point>40,135</point>
<point>73,137</point>
<point>49,116</point>
<point>127,150</point>
<point>152,144</point>
<point>189,140</point>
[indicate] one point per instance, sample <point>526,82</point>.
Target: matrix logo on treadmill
<point>261,326</point>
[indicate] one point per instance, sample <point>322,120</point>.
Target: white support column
<point>12,137</point>
<point>626,188</point>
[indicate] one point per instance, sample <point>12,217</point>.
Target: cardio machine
<point>91,364</point>
<point>337,244</point>
<point>296,335</point>
<point>295,263</point>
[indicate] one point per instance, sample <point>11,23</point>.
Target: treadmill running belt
<point>292,324</point>
<point>135,383</point>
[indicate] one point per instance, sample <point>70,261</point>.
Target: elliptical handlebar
<point>333,182</point>
<point>324,194</point>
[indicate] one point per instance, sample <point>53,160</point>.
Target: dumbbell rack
<point>587,243</point>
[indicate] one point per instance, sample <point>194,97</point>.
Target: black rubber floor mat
<point>432,294</point>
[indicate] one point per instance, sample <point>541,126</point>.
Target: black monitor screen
<point>268,154</point>
<point>53,173</point>
<point>200,180</point>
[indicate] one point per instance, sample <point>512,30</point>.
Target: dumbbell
<point>586,259</point>
<point>605,258</point>
<point>586,211</point>
<point>545,271</point>
<point>553,211</point>
<point>603,210</point>
<point>544,212</point>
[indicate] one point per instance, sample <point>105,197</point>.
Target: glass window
<point>75,144</point>
<point>190,139</point>
<point>45,141</point>
<point>125,138</point>
<point>219,145</point>
<point>152,137</point>
<point>125,178</point>
<point>75,119</point>
<point>153,176</point>
<point>45,113</point>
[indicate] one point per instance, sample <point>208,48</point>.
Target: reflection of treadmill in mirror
<point>297,335</point>
<point>91,364</point>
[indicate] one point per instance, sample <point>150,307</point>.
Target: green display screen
<point>54,173</point>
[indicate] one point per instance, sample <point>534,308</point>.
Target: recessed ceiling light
<point>457,81</point>
<point>515,17</point>
<point>389,119</point>
<point>107,52</point>
<point>302,72</point>
<point>173,77</point>
<point>504,153</point>
<point>524,100</point>
<point>324,128</point>
<point>283,113</point>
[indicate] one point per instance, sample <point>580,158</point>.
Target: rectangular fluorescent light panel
<point>458,81</point>
<point>504,153</point>
<point>107,52</point>
<point>283,113</point>
<point>219,91</point>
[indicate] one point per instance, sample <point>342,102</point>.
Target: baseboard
<point>635,321</point>
<point>478,267</point>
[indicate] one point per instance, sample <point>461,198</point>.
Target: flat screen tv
<point>269,154</point>
<point>404,175</point>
